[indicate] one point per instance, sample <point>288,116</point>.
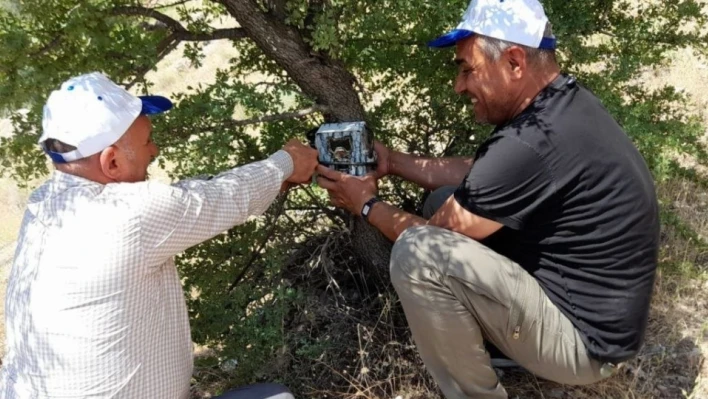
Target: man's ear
<point>109,163</point>
<point>516,61</point>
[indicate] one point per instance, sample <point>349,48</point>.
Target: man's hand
<point>285,186</point>
<point>304,161</point>
<point>383,158</point>
<point>346,191</point>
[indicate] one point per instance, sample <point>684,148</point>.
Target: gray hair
<point>493,49</point>
<point>61,147</point>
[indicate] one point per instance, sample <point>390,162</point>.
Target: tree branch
<point>277,117</point>
<point>261,119</point>
<point>180,32</point>
<point>320,79</point>
<point>331,214</point>
<point>387,41</point>
<point>229,33</point>
<point>171,23</point>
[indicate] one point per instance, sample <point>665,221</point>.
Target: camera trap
<point>346,147</point>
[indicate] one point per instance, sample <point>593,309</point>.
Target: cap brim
<point>155,105</point>
<point>450,38</point>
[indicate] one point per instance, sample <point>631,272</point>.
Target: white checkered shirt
<point>94,305</point>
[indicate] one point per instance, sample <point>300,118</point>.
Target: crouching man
<point>544,243</point>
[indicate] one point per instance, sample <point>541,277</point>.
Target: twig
<point>165,47</point>
<point>325,261</point>
<point>254,255</point>
<point>172,4</point>
<point>49,46</point>
<point>265,83</point>
<point>276,117</point>
<point>303,208</point>
<point>538,386</point>
<point>330,214</point>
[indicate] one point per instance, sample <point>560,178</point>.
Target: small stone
<point>683,380</point>
<point>229,365</point>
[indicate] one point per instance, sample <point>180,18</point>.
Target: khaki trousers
<point>456,293</point>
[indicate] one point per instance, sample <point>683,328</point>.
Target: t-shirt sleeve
<point>507,182</point>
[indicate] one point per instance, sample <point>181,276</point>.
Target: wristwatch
<point>367,207</point>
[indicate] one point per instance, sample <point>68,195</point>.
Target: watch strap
<point>366,209</point>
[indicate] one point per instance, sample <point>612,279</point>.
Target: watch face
<point>366,209</point>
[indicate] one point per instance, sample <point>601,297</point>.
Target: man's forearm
<point>392,221</point>
<point>192,211</point>
<point>430,173</point>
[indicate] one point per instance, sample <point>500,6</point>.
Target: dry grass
<point>12,200</point>
<point>687,71</point>
<point>345,340</point>
<point>671,364</point>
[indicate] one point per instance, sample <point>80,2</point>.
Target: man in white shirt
<point>94,305</point>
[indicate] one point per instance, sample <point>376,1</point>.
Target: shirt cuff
<point>283,161</point>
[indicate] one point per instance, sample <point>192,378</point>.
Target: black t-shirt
<point>579,211</point>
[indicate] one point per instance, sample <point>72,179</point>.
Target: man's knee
<point>415,252</point>
<point>436,199</point>
<point>429,254</point>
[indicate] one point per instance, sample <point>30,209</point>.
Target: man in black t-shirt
<point>544,244</point>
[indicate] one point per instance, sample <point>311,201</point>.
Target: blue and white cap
<point>90,112</point>
<point>516,21</point>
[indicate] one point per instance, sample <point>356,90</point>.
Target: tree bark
<point>326,82</point>
<point>323,81</point>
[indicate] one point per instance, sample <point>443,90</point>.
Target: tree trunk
<point>326,82</point>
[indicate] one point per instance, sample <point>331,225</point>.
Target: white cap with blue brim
<point>91,113</point>
<point>516,21</point>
